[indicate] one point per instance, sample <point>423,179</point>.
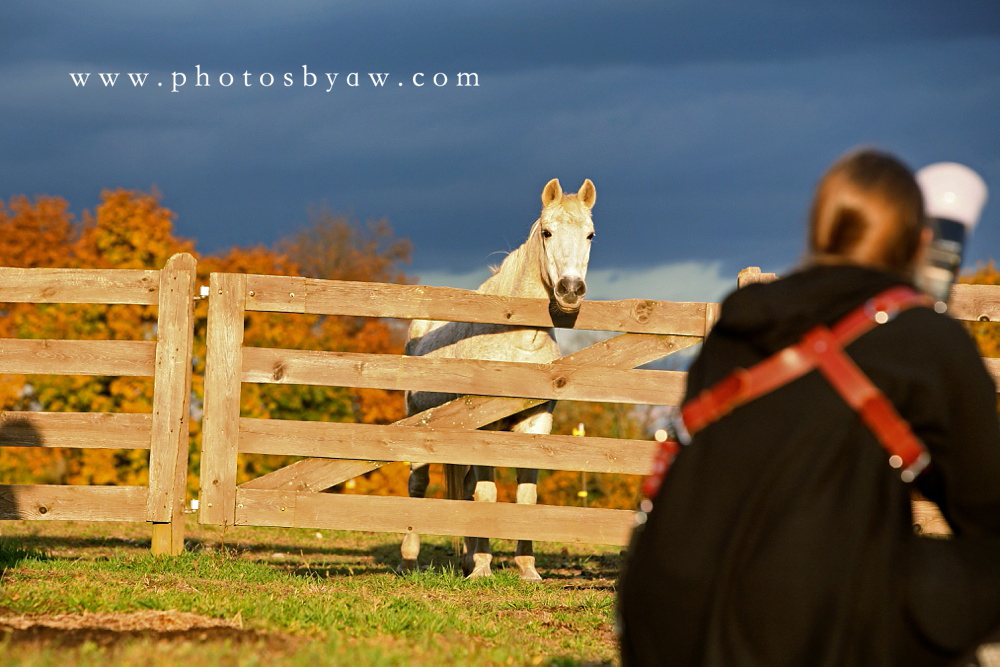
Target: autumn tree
<point>336,247</point>
<point>292,331</point>
<point>38,233</point>
<point>128,230</point>
<point>32,233</point>
<point>133,230</point>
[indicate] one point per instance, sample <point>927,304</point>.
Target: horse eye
<point>546,234</point>
<point>590,236</point>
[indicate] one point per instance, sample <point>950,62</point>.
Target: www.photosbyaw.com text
<point>306,78</point>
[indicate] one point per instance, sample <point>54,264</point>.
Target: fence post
<point>752,274</point>
<point>168,458</point>
<point>223,377</point>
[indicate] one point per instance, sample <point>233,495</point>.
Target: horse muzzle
<point>569,292</point>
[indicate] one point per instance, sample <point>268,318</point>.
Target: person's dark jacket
<point>781,535</point>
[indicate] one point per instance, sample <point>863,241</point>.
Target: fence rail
<point>360,299</point>
<point>116,286</point>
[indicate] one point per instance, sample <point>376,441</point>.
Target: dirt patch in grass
<point>111,629</point>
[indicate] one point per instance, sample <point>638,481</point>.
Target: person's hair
<point>868,209</point>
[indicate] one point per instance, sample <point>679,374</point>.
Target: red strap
<point>877,310</point>
<point>742,386</point>
<point>822,348</point>
<point>893,432</point>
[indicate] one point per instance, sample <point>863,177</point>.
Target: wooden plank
<point>334,297</point>
<point>76,503</point>
<point>976,303</point>
<point>321,474</point>
<point>462,376</point>
<point>281,294</point>
<point>88,430</point>
<point>220,424</point>
<point>171,402</point>
<point>928,519</point>
<point>471,412</point>
<point>77,357</point>
<point>630,350</point>
<point>439,445</point>
<point>431,516</point>
<point>753,274</point>
<point>110,286</point>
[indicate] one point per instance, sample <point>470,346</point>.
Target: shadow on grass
<point>52,544</point>
<point>328,560</point>
<point>571,571</point>
<point>12,555</point>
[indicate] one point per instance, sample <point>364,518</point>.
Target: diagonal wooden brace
<point>471,412</point>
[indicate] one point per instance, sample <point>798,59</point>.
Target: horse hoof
<point>407,565</point>
<point>530,575</point>
<point>480,573</point>
<point>526,564</point>
<point>479,566</point>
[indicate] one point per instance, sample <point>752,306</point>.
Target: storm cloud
<point>703,125</point>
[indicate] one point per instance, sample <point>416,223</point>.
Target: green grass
<point>304,598</point>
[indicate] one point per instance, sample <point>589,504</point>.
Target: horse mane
<point>517,274</point>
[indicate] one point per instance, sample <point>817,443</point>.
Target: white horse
<point>551,264</point>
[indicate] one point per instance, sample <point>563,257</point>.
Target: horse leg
<point>478,555</point>
<point>417,487</point>
<point>527,492</point>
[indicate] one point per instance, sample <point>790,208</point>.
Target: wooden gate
<point>606,371</point>
<point>164,431</point>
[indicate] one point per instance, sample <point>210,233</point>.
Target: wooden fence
<point>336,452</point>
<point>606,371</point>
<point>164,432</point>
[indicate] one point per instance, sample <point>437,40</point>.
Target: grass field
<point>90,594</point>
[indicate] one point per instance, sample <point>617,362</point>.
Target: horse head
<point>565,230</point>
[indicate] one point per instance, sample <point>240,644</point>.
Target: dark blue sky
<point>704,125</point>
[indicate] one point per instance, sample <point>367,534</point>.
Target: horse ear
<point>552,192</point>
<point>587,194</point>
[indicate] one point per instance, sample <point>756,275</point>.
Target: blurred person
<point>782,533</point>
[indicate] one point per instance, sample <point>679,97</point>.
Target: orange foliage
<point>129,230</point>
<point>133,230</point>
<point>36,234</point>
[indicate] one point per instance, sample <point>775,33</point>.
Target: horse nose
<point>571,288</point>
